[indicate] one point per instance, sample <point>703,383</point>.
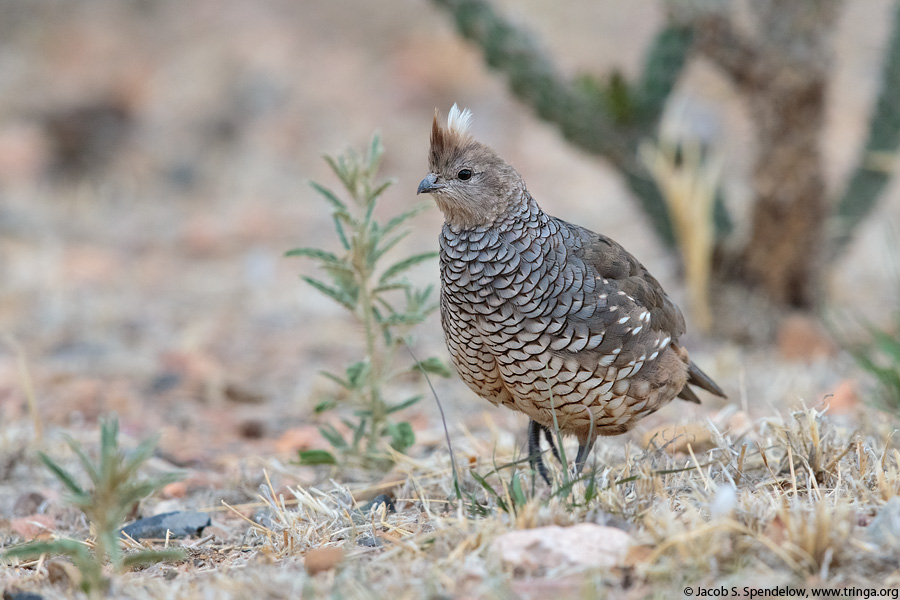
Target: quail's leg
<point>534,450</point>
<point>584,448</point>
<point>548,435</point>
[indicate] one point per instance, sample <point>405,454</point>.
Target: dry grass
<point>787,499</point>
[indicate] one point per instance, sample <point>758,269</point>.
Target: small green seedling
<point>381,299</point>
<point>114,490</point>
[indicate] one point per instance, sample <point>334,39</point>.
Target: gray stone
<point>178,524</point>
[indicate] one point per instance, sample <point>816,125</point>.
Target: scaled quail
<point>542,315</point>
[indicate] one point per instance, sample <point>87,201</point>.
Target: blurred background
<point>154,160</point>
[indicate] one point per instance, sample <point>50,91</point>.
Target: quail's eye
<point>464,174</point>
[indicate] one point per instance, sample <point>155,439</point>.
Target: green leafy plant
<point>880,357</point>
<point>381,299</point>
<point>510,499</point>
<point>114,490</point>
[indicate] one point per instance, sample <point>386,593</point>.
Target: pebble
<point>179,524</point>
<point>586,545</point>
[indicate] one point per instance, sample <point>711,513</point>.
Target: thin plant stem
<point>443,423</point>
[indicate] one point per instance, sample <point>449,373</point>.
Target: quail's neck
<point>521,222</point>
<point>520,210</point>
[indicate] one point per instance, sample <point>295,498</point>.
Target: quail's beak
<point>429,184</point>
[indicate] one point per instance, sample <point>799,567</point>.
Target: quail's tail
<point>701,380</point>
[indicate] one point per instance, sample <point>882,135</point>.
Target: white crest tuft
<point>459,120</point>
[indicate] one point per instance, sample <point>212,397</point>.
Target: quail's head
<point>471,185</point>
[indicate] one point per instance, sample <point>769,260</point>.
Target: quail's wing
<point>625,310</point>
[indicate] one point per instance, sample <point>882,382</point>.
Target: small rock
<point>844,400</point>
<point>367,541</point>
<point>586,545</point>
<point>318,560</point>
<point>376,502</point>
<point>802,338</point>
<point>178,524</point>
<point>219,534</point>
<point>540,588</point>
<point>675,438</point>
<point>28,504</point>
<point>33,526</point>
<point>252,429</point>
<point>24,152</point>
<point>739,424</point>
<point>723,503</point>
<point>242,395</point>
<point>164,382</point>
<point>176,489</point>
<point>638,555</point>
<point>884,529</point>
<point>63,573</point>
<point>169,505</point>
<point>8,595</point>
<point>300,438</point>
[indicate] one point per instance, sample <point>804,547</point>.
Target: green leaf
<point>476,508</point>
<point>490,490</point>
<point>887,344</point>
<point>434,365</point>
<point>618,99</point>
<point>138,491</point>
<point>328,194</point>
<point>395,222</point>
<point>340,232</point>
<point>376,151</point>
<point>149,557</point>
<point>389,288</point>
<point>590,489</point>
<point>316,253</point>
<point>402,436</point>
<point>109,447</point>
<point>337,164</point>
<point>89,467</point>
<point>379,190</point>
<point>378,252</point>
<point>63,546</point>
<point>417,299</point>
<point>404,265</point>
<point>404,319</point>
<point>350,424</point>
<point>515,491</point>
<point>338,380</point>
<point>359,431</point>
<point>333,436</point>
<point>370,212</point>
<point>343,277</point>
<point>402,405</point>
<point>358,374</point>
<point>64,476</point>
<point>316,457</point>
<point>137,457</point>
<point>335,294</point>
<point>325,405</point>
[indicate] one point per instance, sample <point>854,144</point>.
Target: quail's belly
<point>530,326</point>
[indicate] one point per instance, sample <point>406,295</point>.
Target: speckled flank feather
<point>544,316</point>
